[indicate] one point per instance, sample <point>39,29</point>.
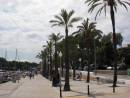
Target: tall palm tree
<point>112,4</point>
<point>65,19</point>
<point>55,37</point>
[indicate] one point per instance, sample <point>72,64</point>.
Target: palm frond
<point>58,17</point>
<point>76,32</point>
<point>53,25</point>
<point>75,19</point>
<point>80,27</point>
<point>55,37</point>
<point>93,7</point>
<point>64,15</point>
<point>122,4</point>
<point>99,12</point>
<point>54,21</point>
<point>64,19</point>
<point>70,25</point>
<point>70,14</point>
<point>128,3</point>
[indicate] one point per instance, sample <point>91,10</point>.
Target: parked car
<point>122,66</point>
<point>91,67</point>
<point>3,76</point>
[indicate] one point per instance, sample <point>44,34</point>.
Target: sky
<point>24,24</point>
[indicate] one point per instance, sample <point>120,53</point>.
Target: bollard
<point>88,90</point>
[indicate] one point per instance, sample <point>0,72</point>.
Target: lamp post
<point>60,55</point>
<point>88,73</point>
<point>80,57</point>
<point>80,61</point>
<point>49,71</point>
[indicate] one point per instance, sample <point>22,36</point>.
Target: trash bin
<point>128,72</point>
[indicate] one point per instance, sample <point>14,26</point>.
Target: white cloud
<point>24,24</point>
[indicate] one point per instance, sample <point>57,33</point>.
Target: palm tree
<point>55,37</point>
<point>112,4</point>
<point>50,46</point>
<point>43,56</point>
<point>65,19</point>
<point>107,38</point>
<point>89,32</point>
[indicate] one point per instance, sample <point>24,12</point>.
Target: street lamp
<point>60,55</point>
<point>95,54</point>
<point>79,59</point>
<point>78,46</point>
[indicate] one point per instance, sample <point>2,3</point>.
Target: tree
<point>3,63</point>
<point>55,37</point>
<point>89,33</point>
<point>119,39</point>
<point>43,56</point>
<point>105,51</point>
<point>112,4</point>
<point>50,46</point>
<point>107,38</point>
<point>65,19</point>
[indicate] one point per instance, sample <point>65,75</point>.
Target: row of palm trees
<point>65,19</point>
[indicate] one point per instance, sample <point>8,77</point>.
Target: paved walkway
<point>34,88</point>
<point>97,90</point>
<point>40,87</point>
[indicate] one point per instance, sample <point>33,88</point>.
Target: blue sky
<point>24,24</point>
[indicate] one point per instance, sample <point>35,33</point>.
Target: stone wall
<point>120,72</point>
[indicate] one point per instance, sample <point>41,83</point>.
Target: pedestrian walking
<point>30,75</point>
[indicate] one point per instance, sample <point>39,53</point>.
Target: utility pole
<point>5,65</point>
<point>16,55</point>
<point>5,54</point>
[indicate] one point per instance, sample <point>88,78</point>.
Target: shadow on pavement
<point>85,94</point>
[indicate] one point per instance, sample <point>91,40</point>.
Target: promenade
<point>39,87</point>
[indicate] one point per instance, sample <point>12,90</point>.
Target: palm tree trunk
<point>56,66</point>
<point>67,85</point>
<point>74,73</point>
<point>114,48</point>
<point>56,74</point>
<point>88,73</point>
<point>62,68</point>
<point>88,46</point>
<point>50,67</point>
<point>44,67</point>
